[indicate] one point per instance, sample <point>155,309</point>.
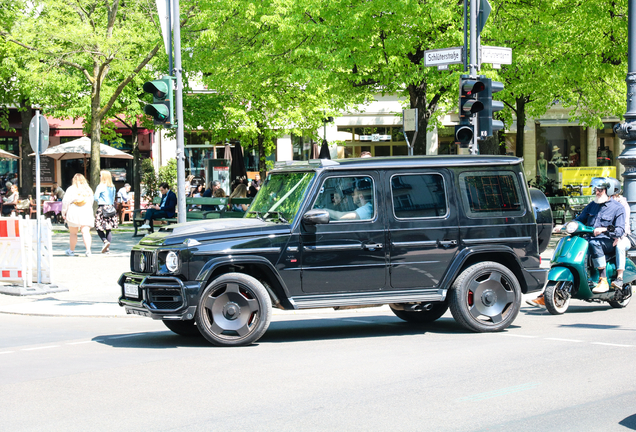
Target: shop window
<point>302,147</point>
<point>397,134</point>
<point>400,150</point>
<point>10,166</point>
<point>382,150</point>
<point>557,147</point>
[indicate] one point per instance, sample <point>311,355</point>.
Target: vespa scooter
<point>572,274</point>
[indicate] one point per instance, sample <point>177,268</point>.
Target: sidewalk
<point>92,281</point>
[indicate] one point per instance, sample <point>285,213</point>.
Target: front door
<point>423,227</point>
<point>348,253</point>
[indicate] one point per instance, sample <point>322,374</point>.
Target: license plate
<point>131,290</point>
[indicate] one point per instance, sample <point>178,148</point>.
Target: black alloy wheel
<point>486,297</point>
<point>235,309</point>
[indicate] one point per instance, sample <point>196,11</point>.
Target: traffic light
<point>486,123</point>
<point>464,133</point>
<point>162,107</point>
<point>469,89</point>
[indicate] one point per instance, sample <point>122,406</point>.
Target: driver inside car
<point>362,197</point>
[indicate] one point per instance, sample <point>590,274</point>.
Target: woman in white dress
<point>77,209</point>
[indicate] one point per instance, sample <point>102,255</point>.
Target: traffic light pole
<point>627,130</point>
<point>181,204</point>
<point>474,10</point>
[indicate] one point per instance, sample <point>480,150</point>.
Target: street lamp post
<point>627,130</point>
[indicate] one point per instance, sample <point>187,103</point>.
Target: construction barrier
<point>18,251</point>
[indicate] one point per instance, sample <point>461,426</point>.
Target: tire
<point>486,297</point>
<point>423,316</point>
<point>557,300</point>
<point>234,310</point>
<point>183,328</point>
<point>620,304</point>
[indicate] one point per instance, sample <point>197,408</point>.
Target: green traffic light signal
<point>162,107</point>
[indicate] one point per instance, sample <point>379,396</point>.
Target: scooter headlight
<point>571,227</point>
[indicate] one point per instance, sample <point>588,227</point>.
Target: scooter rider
<point>600,214</point>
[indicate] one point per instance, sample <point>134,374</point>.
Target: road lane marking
<point>611,344</point>
<point>6,352</point>
<point>39,348</point>
<point>498,393</point>
<point>563,340</point>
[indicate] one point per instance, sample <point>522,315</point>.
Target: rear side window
<point>418,196</point>
<point>491,193</point>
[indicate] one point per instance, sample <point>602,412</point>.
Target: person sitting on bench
<point>165,210</point>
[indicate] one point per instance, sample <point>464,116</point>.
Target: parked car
<point>422,234</point>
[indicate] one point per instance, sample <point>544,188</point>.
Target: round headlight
<point>571,227</point>
<point>172,261</point>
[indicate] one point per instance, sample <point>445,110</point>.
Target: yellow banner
<point>583,176</point>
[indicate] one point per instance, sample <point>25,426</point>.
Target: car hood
<point>214,229</point>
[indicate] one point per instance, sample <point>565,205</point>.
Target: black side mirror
<point>316,217</point>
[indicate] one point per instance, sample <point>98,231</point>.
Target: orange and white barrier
<point>15,242</point>
<point>18,251</point>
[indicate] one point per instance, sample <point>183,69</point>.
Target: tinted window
<point>347,198</point>
<point>418,196</point>
<point>494,193</point>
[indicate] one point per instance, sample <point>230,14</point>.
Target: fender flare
<point>464,254</point>
<point>209,267</point>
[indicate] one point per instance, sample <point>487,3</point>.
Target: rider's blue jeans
<point>599,247</point>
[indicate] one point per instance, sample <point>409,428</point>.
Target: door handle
<point>373,246</point>
<point>448,243</point>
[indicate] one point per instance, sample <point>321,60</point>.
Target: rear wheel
<point>429,313</point>
<point>183,328</point>
<point>486,297</point>
<point>627,290</point>
<point>235,309</point>
<point>557,296</point>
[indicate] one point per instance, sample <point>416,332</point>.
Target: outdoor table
<point>52,206</point>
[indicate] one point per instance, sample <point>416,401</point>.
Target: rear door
<point>423,226</point>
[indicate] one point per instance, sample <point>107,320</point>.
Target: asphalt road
<point>362,370</point>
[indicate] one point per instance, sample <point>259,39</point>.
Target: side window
<point>491,193</point>
<point>418,196</point>
<point>347,198</point>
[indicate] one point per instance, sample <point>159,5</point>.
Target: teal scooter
<point>572,274</point>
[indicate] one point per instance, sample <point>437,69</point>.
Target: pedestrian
<point>123,197</point>
<point>255,186</point>
<point>9,202</point>
<point>218,193</point>
<point>365,154</point>
<point>188,185</point>
<point>106,217</point>
<point>58,192</point>
<point>78,212</point>
<point>167,208</point>
<point>239,192</point>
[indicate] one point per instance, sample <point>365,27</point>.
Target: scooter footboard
<point>560,274</point>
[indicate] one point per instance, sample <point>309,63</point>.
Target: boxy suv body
<point>421,234</point>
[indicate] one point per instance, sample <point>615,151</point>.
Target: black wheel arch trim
<point>491,252</point>
<point>205,275</point>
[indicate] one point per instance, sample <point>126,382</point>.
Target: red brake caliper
<point>470,298</point>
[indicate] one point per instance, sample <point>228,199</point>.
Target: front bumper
<point>160,297</point>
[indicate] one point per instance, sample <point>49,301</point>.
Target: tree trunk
<point>417,97</point>
<point>136,166</point>
<point>521,125</point>
<point>262,158</point>
<point>96,135</point>
<point>26,163</point>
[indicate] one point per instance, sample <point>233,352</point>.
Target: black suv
<point>421,234</point>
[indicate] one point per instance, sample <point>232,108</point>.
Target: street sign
<point>484,12</point>
<point>496,55</point>
<point>44,133</point>
<point>409,119</point>
<point>443,56</point>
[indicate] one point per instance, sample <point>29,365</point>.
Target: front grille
<point>142,262</point>
<point>165,298</point>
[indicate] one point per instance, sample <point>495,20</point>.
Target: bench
<point>196,214</point>
<point>138,218</point>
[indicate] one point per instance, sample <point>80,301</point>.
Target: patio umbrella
<point>324,151</point>
<point>228,152</point>
<point>81,149</point>
<point>237,168</point>
<point>315,151</point>
<point>7,155</point>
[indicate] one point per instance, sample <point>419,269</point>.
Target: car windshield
<point>280,196</point>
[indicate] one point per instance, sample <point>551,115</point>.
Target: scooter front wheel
<point>557,296</point>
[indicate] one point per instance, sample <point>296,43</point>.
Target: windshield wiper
<point>258,215</point>
<point>279,214</point>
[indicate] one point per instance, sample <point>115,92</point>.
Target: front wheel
<point>557,296</point>
<point>486,297</point>
<point>235,309</point>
